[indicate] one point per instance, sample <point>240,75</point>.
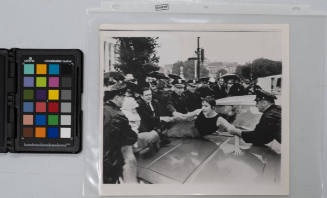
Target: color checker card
<point>48,100</point>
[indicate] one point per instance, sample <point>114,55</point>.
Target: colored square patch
<point>28,94</point>
<point>41,69</point>
<point>40,119</point>
<point>53,81</point>
<point>40,94</point>
<point>28,68</point>
<point>65,132</point>
<point>53,94</point>
<point>28,81</point>
<point>66,107</point>
<point>28,107</point>
<point>66,69</point>
<point>53,107</point>
<point>40,132</point>
<point>53,132</point>
<point>41,81</point>
<point>40,107</point>
<point>52,120</point>
<point>28,132</point>
<point>66,81</point>
<point>54,69</point>
<point>28,119</point>
<point>65,120</point>
<point>66,94</point>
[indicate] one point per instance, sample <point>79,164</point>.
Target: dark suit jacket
<point>176,103</point>
<point>192,101</point>
<point>219,91</point>
<point>150,120</point>
<point>236,90</point>
<point>268,128</point>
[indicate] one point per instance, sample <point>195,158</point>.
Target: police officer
<point>118,138</point>
<point>175,101</point>
<point>204,89</point>
<point>161,96</point>
<point>269,126</point>
<point>191,97</point>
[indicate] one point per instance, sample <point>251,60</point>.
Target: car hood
<point>199,161</point>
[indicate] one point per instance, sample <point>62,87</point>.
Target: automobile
<point>271,84</point>
<point>197,160</point>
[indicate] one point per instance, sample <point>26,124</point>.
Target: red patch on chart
<point>40,107</point>
<point>53,107</point>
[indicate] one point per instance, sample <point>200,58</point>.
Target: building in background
<point>167,69</point>
<point>215,67</point>
<point>110,57</point>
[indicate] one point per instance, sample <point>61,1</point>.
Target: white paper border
<point>202,189</point>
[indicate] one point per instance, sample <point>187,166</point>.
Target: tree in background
<point>137,56</point>
<point>259,68</point>
<point>188,69</point>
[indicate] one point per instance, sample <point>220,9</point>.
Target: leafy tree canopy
<point>137,56</point>
<point>259,68</point>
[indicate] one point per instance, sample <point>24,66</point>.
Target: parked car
<point>200,161</point>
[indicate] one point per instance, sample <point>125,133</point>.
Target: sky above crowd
<point>240,47</point>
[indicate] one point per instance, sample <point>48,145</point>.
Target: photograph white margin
<point>202,189</point>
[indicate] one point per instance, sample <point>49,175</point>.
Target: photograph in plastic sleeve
<point>202,109</point>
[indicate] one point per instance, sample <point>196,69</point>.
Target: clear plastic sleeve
<point>307,23</point>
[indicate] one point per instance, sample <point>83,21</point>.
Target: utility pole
<point>198,53</point>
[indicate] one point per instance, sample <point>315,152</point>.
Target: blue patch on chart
<point>53,132</point>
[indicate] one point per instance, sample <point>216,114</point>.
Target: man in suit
<point>219,89</point>
<point>234,88</point>
<point>148,111</point>
<point>150,127</point>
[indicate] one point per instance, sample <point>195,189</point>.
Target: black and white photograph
<point>194,109</point>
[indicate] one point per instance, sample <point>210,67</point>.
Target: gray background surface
<point>64,24</point>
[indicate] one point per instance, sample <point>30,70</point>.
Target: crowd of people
<point>137,117</point>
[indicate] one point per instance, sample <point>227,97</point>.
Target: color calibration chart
<point>47,100</point>
<point>42,100</point>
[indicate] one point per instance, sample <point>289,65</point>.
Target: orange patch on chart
<point>41,69</point>
<point>40,132</point>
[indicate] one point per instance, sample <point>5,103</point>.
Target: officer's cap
<point>174,77</point>
<point>132,86</point>
<point>179,83</point>
<point>115,75</point>
<point>203,80</point>
<point>117,89</point>
<point>191,83</point>
<point>264,95</point>
<point>157,75</point>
